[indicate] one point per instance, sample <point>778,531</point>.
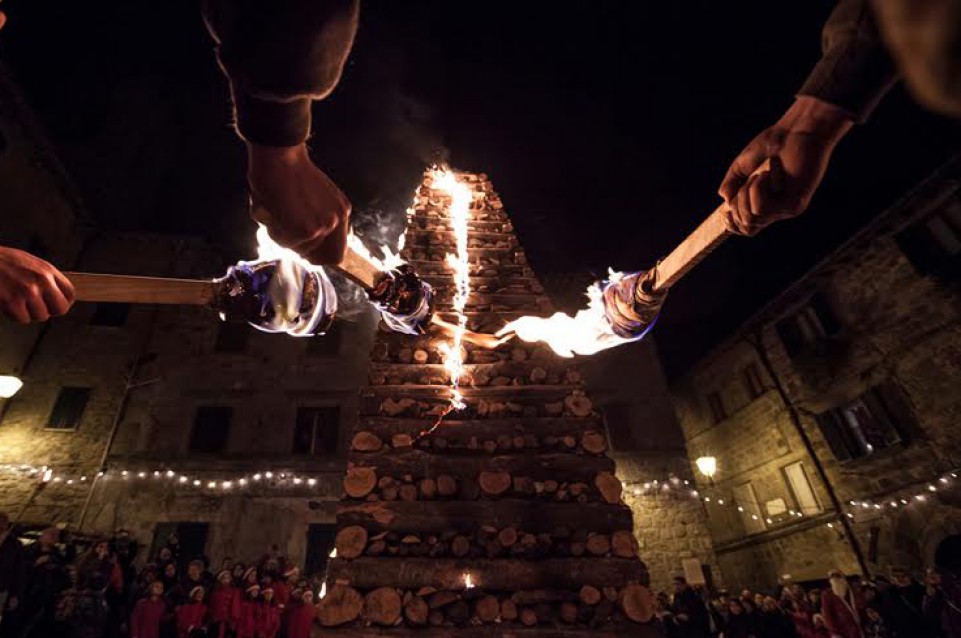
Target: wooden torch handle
<point>699,244</point>
<point>130,289</point>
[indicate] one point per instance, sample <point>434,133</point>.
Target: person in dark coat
<point>842,607</point>
<point>772,622</point>
<point>46,578</point>
<point>902,605</point>
<point>690,612</point>
<point>739,624</point>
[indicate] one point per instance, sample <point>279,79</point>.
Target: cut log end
<point>351,541</point>
<point>359,482</point>
<point>382,606</point>
<point>340,606</point>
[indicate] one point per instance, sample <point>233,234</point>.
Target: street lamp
<point>707,465</point>
<point>9,386</point>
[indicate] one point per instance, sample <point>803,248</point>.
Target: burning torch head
<point>632,305</point>
<point>404,300</point>
<point>278,295</point>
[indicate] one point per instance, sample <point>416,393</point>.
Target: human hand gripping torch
<point>624,307</point>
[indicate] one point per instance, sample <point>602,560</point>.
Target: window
<point>868,423</point>
<point>617,418</point>
<point>810,325</point>
<point>933,245</point>
<point>748,508</point>
<point>320,542</point>
<point>751,375</point>
<point>716,404</point>
<point>231,336</point>
<point>68,409</point>
<point>316,430</point>
<point>110,314</point>
<point>326,345</point>
<point>804,496</point>
<point>211,427</point>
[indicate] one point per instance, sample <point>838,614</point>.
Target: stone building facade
<point>833,412</point>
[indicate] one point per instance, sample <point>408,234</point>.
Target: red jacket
<point>299,620</point>
<point>839,617</point>
<point>146,618</point>
<point>191,616</point>
<point>222,603</point>
<point>268,620</point>
<point>281,593</point>
<point>246,623</point>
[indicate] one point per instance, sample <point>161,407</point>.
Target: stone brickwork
<point>885,327</point>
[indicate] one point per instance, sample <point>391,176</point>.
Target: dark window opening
<point>3,142</point>
<point>211,427</point>
<point>751,375</point>
<point>110,314</point>
<point>714,401</point>
<point>316,430</point>
<point>810,325</point>
<point>320,542</point>
<point>617,417</point>
<point>231,336</point>
<point>326,345</point>
<point>68,409</point>
<point>933,245</point>
<point>190,540</point>
<point>869,423</point>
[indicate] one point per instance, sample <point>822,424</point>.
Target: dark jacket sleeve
<point>855,70</point>
<point>280,55</point>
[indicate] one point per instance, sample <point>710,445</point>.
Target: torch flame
<point>390,261</point>
<point>468,582</point>
<point>587,332</point>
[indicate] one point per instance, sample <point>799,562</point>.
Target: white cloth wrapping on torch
<point>631,306</point>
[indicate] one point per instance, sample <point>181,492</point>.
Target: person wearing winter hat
<point>224,604</point>
<point>246,626</point>
<point>301,616</point>
<point>192,616</point>
<point>283,586</point>
<point>148,613</point>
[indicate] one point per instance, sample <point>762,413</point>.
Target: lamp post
<point>707,465</point>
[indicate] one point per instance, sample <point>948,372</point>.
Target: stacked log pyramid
<point>515,492</point>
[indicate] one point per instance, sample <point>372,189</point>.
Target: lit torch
<point>624,307</point>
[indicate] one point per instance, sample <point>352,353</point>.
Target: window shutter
<point>831,430</point>
<point>901,416</point>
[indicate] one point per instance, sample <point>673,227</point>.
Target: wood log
<point>537,375</point>
<point>609,486</point>
<point>508,610</point>
<point>391,492</point>
<point>598,544</point>
<point>594,442</point>
<point>376,548</point>
<point>463,429</point>
<point>460,546</point>
<point>366,442</point>
<point>351,541</point>
<point>427,488</point>
<point>416,611</point>
<point>436,618</point>
<point>637,602</point>
<point>487,609</point>
<point>573,467</point>
<point>589,595</point>
<point>401,440</point>
<point>341,605</point>
<point>610,593</point>
<point>380,351</point>
<point>494,483</point>
<point>458,612</point>
<point>507,537</point>
<point>420,356</point>
<point>382,606</point>
<point>623,544</point>
<point>408,492</point>
<point>568,612</point>
<point>528,617</point>
<point>491,574</point>
<point>538,596</point>
<point>359,482</point>
<point>441,599</point>
<point>578,404</point>
<point>446,485</point>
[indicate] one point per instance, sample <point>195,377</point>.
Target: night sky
<point>605,126</point>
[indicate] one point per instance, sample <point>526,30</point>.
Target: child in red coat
<point>223,604</point>
<point>269,617</point>
<point>149,613</point>
<point>192,616</point>
<point>246,621</point>
<point>301,614</point>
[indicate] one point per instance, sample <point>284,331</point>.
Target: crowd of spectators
<point>60,586</point>
<point>898,606</point>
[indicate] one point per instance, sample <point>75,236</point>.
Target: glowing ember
<point>459,210</point>
<point>587,332</point>
<point>468,582</point>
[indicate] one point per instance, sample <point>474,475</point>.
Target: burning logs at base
<point>504,519</point>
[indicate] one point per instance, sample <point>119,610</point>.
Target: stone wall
<point>897,329</point>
